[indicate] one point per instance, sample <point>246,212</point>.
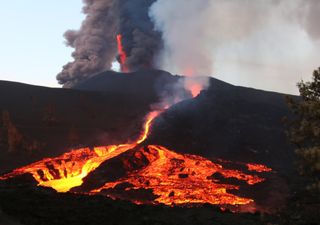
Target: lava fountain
<point>122,55</point>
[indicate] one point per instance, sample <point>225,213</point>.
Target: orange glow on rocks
<point>122,55</point>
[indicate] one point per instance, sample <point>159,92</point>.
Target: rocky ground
<point>23,203</point>
<point>38,206</point>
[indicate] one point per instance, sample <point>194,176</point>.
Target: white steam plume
<point>269,44</point>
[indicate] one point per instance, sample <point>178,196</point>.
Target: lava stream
<point>67,171</point>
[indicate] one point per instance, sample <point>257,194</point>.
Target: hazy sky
<point>274,57</point>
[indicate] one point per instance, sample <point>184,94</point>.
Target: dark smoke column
<point>140,41</point>
<point>95,43</point>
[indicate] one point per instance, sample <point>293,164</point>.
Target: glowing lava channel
<point>67,171</point>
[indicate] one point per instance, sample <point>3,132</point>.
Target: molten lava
<point>122,55</point>
<point>180,179</point>
<point>67,171</point>
<point>258,168</point>
<point>171,178</point>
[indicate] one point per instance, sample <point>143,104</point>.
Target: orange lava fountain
<point>171,177</point>
<point>122,54</point>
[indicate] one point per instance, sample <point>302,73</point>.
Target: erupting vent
<point>122,55</point>
<point>152,174</point>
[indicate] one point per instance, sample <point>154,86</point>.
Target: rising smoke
<point>266,43</point>
<point>95,43</point>
<point>262,43</point>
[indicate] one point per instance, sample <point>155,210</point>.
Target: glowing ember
<point>122,54</point>
<point>170,177</point>
<point>258,168</point>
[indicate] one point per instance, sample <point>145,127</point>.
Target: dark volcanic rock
<point>146,84</point>
<point>225,121</point>
<point>31,207</point>
<point>229,122</point>
<point>115,168</point>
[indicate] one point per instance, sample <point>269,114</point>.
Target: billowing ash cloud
<point>267,44</point>
<point>140,40</point>
<point>95,42</point>
<point>183,24</point>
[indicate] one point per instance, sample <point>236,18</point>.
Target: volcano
<point>225,147</point>
<point>226,121</point>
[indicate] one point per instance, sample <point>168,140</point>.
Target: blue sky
<point>32,48</point>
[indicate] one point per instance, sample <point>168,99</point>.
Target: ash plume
<point>140,40</point>
<point>252,43</point>
<point>95,43</point>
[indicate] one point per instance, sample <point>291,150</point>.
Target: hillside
<point>226,121</point>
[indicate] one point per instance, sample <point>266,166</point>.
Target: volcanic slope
<point>225,121</point>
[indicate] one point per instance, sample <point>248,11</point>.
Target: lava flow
<point>153,174</point>
<point>258,168</point>
<point>178,179</point>
<point>67,171</point>
<point>122,55</point>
